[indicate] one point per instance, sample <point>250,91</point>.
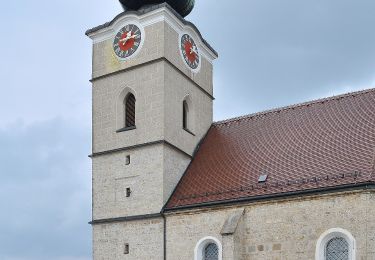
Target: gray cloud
<point>45,191</point>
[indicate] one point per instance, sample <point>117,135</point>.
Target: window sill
<point>126,129</point>
<point>187,130</point>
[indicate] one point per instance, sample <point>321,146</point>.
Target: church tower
<point>152,100</point>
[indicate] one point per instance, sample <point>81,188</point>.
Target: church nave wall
<point>277,230</point>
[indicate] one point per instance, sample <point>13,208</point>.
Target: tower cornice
<point>148,16</point>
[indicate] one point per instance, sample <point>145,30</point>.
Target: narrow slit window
<point>185,115</point>
<point>130,111</point>
<point>127,160</point>
<point>128,192</point>
<point>126,249</point>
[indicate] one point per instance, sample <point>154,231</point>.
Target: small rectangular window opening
<point>127,160</point>
<point>263,178</point>
<point>126,249</point>
<point>128,192</point>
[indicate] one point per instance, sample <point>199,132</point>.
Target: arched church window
<point>185,115</point>
<point>336,244</point>
<point>130,111</point>
<point>337,249</point>
<point>208,248</point>
<point>211,252</point>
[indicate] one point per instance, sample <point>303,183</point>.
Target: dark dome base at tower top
<point>183,7</point>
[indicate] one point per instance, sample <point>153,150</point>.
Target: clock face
<point>190,51</point>
<point>127,41</point>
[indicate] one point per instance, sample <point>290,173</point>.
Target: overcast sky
<point>272,53</point>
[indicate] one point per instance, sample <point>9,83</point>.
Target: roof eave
<point>370,185</point>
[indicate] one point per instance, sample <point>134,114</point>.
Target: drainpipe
<point>165,236</point>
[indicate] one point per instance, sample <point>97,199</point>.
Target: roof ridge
<point>298,105</point>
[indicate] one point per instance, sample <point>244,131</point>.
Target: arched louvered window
<point>211,252</point>
<point>185,115</point>
<point>337,249</point>
<point>130,111</point>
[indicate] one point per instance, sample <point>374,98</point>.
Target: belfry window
<point>130,111</point>
<point>126,110</point>
<point>185,115</point>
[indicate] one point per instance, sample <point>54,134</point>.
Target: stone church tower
<point>152,104</point>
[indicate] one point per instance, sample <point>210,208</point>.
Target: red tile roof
<point>320,144</point>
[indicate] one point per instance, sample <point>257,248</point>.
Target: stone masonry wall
<point>159,90</point>
<point>177,87</point>
<point>175,164</point>
<point>152,175</point>
<point>147,82</point>
<point>280,230</point>
<point>144,176</point>
<point>145,239</point>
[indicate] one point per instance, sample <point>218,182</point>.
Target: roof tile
<point>319,144</point>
